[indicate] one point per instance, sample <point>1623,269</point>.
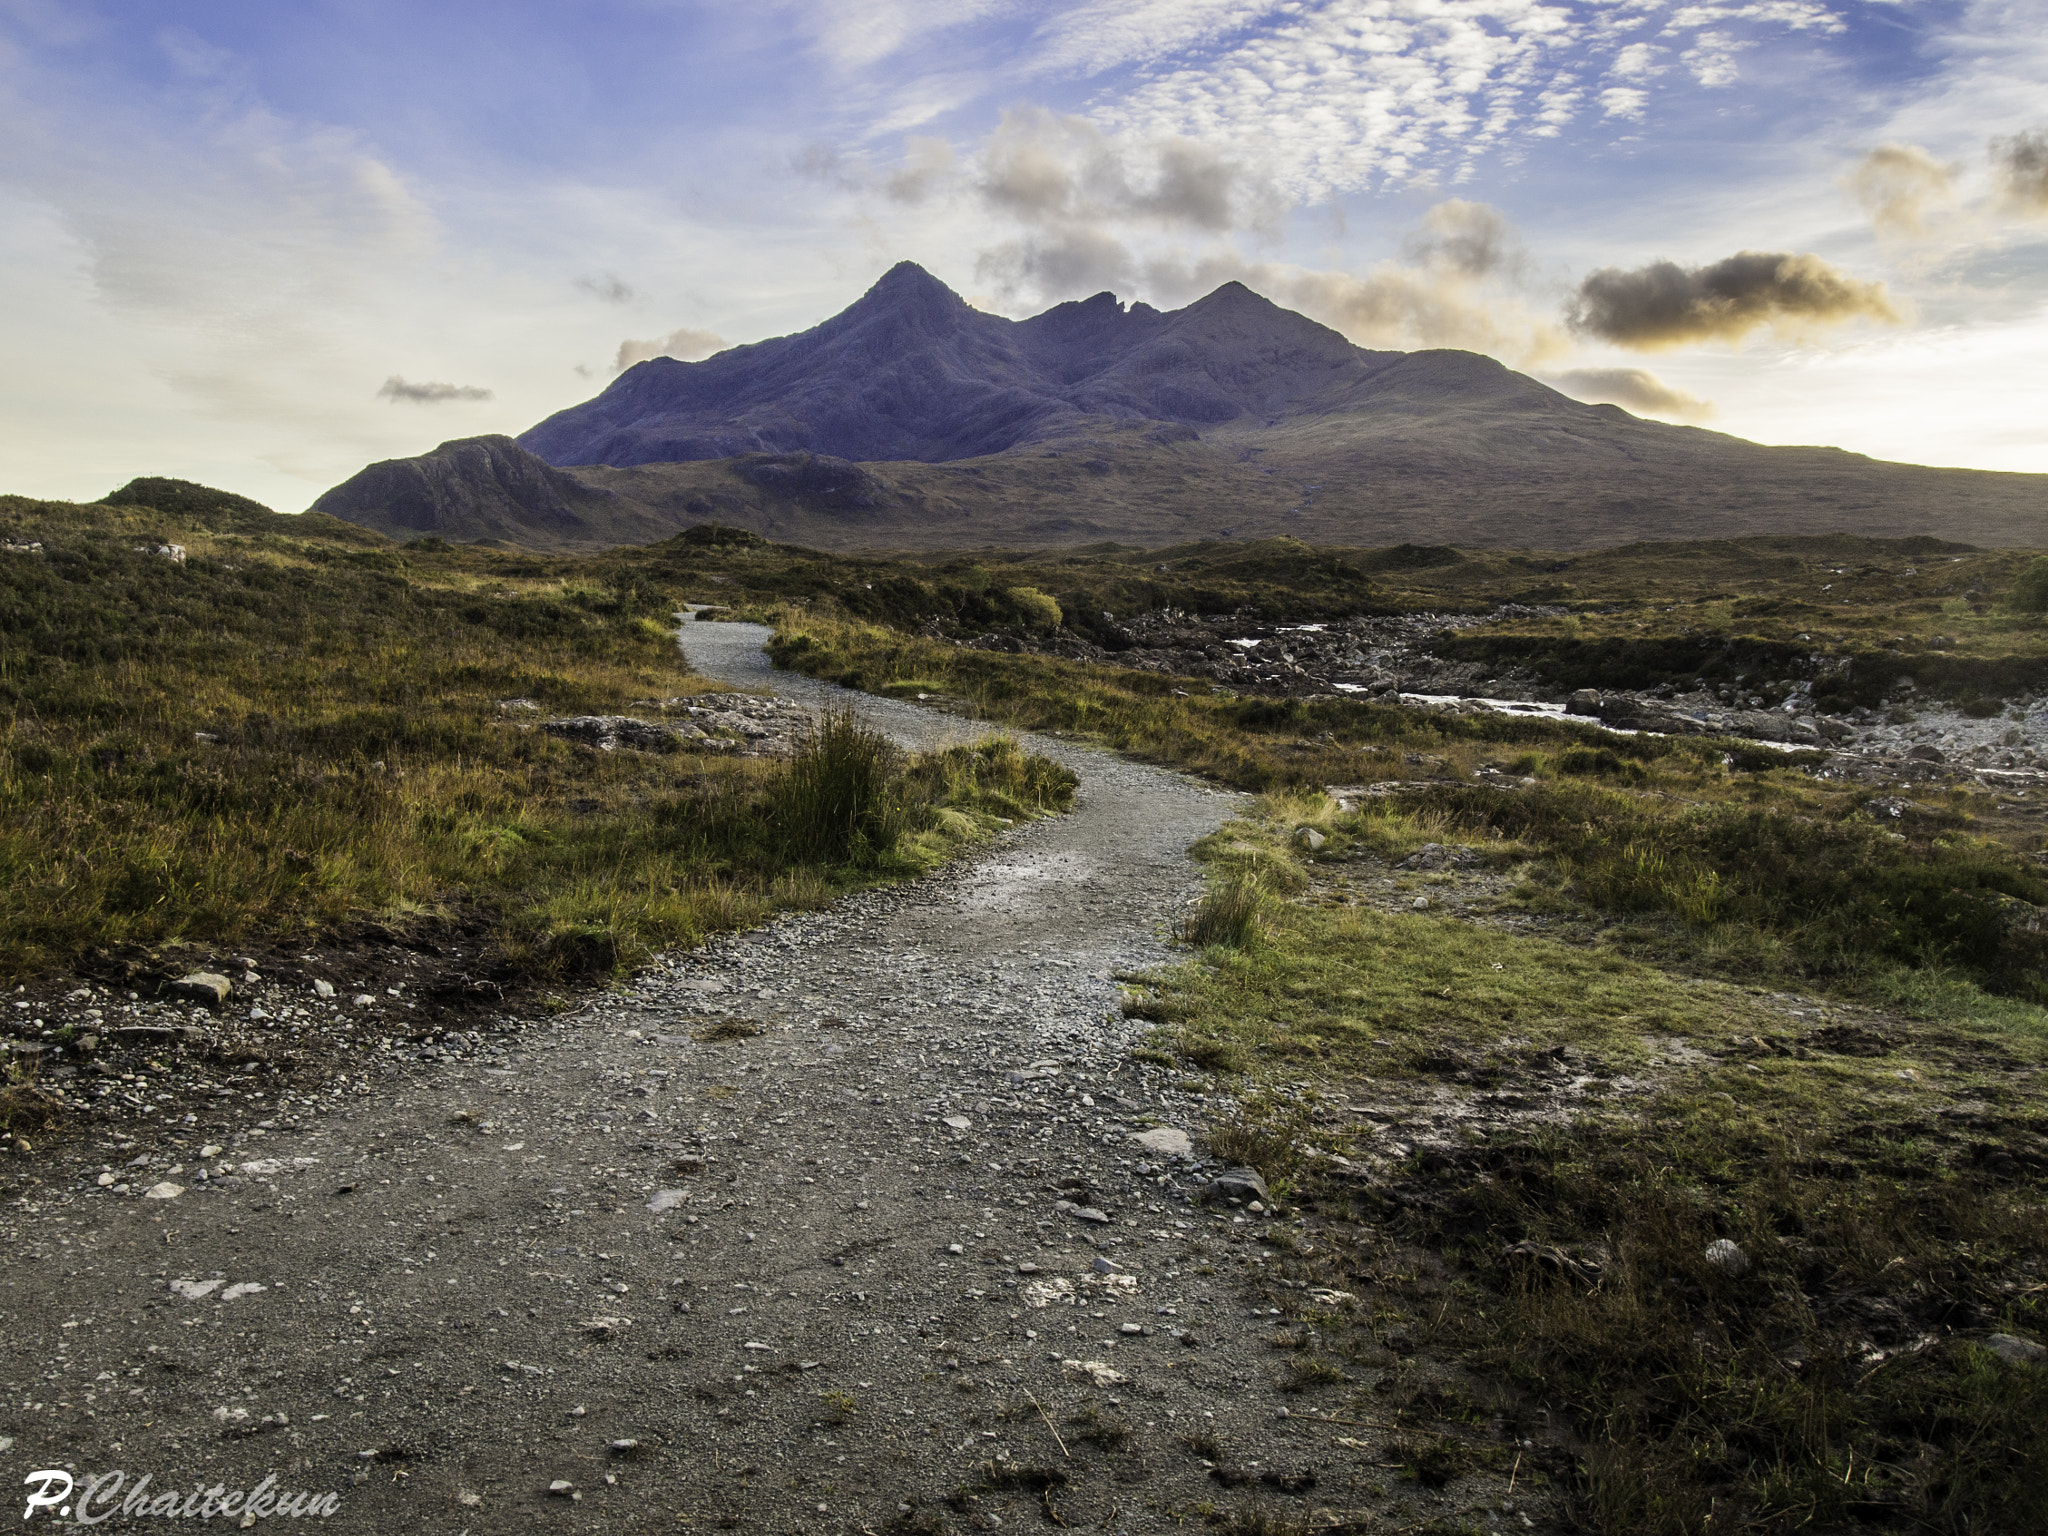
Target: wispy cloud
<point>1050,169</point>
<point>1900,186</point>
<point>1453,287</point>
<point>609,287</point>
<point>1634,389</point>
<point>397,389</point>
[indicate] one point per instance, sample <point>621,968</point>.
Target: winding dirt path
<point>839,1268</point>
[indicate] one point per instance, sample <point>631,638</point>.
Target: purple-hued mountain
<point>912,419</point>
<point>912,371</point>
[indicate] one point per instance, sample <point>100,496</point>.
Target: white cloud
<point>1638,61</point>
<point>1353,94</point>
<point>687,344</point>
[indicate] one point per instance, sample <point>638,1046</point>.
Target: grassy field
<point>298,726</point>
<point>1879,1173</point>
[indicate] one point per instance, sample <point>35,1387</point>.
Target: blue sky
<point>260,245</point>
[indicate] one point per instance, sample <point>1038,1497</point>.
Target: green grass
<point>1840,1379</point>
<point>300,727</point>
<point>1779,873</point>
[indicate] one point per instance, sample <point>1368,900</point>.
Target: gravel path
<point>840,1225</point>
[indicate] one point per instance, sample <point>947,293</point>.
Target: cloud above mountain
<point>1634,389</point>
<point>687,344</point>
<point>1664,305</point>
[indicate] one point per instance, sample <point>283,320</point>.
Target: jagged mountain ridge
<point>911,371</point>
<point>912,419</point>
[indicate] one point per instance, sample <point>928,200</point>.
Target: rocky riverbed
<point>1388,659</point>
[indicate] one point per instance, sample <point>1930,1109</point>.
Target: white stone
<point>1726,1257</point>
<point>1166,1140</point>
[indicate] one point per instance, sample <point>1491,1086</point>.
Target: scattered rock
<point>667,1200</point>
<point>1166,1140</point>
<point>1310,839</point>
<point>958,1122</point>
<point>1924,753</point>
<point>323,989</point>
<point>2014,1350</point>
<point>163,1191</point>
<point>1237,1184</point>
<point>1726,1257</point>
<point>1097,1373</point>
<point>1584,701</point>
<point>202,987</point>
<point>608,733</point>
<point>1432,856</point>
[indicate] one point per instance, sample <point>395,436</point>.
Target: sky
<point>260,245</point>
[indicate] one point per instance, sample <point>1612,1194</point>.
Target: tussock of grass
<point>1230,915</point>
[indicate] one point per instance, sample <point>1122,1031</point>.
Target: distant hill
<point>912,420</point>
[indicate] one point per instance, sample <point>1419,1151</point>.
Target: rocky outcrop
<point>732,724</point>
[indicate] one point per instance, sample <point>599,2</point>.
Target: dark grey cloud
<point>1044,169</point>
<point>609,287</point>
<point>1633,389</point>
<point>1472,239</point>
<point>2021,164</point>
<point>1666,305</point>
<point>1066,263</point>
<point>396,388</point>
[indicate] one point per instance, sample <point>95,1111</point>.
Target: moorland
<point>1680,1089</point>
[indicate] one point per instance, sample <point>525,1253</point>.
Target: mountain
<point>912,419</point>
<point>911,371</point>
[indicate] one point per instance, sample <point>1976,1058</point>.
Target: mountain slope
<point>912,419</point>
